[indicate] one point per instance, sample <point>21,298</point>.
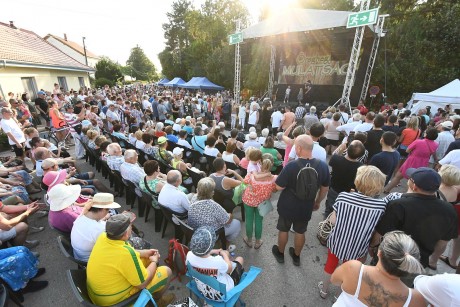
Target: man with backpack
<point>304,184</point>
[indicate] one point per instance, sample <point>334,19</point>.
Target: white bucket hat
<point>62,196</point>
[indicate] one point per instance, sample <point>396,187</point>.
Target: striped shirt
<point>357,216</point>
<point>71,120</point>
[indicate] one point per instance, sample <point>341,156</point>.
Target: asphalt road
<point>277,285</point>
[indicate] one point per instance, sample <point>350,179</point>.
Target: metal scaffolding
<point>271,76</point>
<point>354,58</point>
<point>378,29</point>
<point>237,82</point>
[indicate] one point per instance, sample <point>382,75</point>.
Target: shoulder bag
<point>324,230</point>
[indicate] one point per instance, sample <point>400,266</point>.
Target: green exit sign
<point>235,38</point>
<point>363,18</point>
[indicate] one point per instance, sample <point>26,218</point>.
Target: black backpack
<point>307,181</point>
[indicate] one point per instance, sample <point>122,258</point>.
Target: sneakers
<point>278,255</point>
<point>36,254</point>
<point>295,258</point>
<point>231,248</point>
<point>166,299</point>
<point>31,243</point>
<point>33,229</point>
<point>41,213</point>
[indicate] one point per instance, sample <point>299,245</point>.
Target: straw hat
<point>104,201</point>
<point>62,196</point>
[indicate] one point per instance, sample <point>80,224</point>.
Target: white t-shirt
<point>184,143</point>
<point>364,127</point>
<point>242,112</point>
<point>10,125</point>
<point>176,127</point>
<point>347,128</point>
<point>343,118</point>
<point>254,103</point>
<point>174,199</point>
<point>276,119</point>
<point>439,290</point>
<point>251,143</point>
<point>140,144</point>
<point>444,139</point>
<point>85,232</point>
<point>228,157</point>
<point>211,151</point>
<point>214,266</point>
<point>452,158</point>
<point>252,117</point>
<point>325,120</point>
<point>318,152</point>
<point>146,105</point>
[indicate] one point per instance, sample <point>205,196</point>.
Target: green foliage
<point>100,82</point>
<point>140,66</point>
<point>108,69</point>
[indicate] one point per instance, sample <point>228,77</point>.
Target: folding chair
<point>148,198</point>
<point>168,217</point>
<point>118,181</point>
<point>16,296</point>
<point>229,298</point>
<point>77,280</point>
<point>196,177</point>
<point>188,232</point>
<point>210,160</point>
<point>67,251</point>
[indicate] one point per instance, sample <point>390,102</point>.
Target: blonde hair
<point>413,123</point>
<point>255,155</point>
<point>205,188</point>
<point>370,180</point>
<point>91,134</point>
<point>267,162</point>
<point>138,135</point>
<point>99,140</point>
<point>450,175</point>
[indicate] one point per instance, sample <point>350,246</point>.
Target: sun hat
<point>104,201</point>
<point>177,151</point>
<point>425,178</point>
<point>253,135</point>
<point>447,124</point>
<point>203,241</point>
<point>117,224</point>
<point>62,196</point>
<point>161,140</point>
<point>53,178</point>
<point>178,120</point>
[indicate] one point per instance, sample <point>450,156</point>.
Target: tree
<point>140,65</point>
<point>108,69</point>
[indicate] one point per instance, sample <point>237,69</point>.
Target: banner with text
<point>298,64</point>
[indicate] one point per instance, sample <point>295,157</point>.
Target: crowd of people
<point>201,155</point>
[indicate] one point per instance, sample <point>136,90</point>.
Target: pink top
<point>253,167</point>
<point>244,163</point>
<point>286,154</point>
<point>258,191</point>
<point>421,150</point>
<point>63,220</point>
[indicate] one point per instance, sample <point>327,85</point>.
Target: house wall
<point>10,78</point>
<point>71,52</point>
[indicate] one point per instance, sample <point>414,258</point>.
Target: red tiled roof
<point>73,45</point>
<point>23,47</point>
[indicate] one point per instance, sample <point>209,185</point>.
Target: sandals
<point>258,244</point>
<point>446,260</point>
<point>247,242</point>
<point>321,292</point>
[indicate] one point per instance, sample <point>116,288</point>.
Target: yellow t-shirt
<point>115,269</point>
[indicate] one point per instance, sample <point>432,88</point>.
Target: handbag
<point>238,194</point>
<point>324,230</point>
<point>265,207</point>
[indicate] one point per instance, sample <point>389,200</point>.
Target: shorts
<point>158,282</point>
<point>18,151</point>
<point>83,176</point>
<point>237,272</point>
<point>285,223</point>
<point>6,235</point>
<point>333,142</point>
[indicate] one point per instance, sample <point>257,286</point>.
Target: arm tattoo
<point>379,296</point>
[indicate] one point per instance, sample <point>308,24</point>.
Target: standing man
<point>15,135</point>
<point>155,108</point>
<point>288,118</point>
<point>275,119</point>
<point>308,92</point>
<point>287,93</point>
<point>74,121</point>
<point>295,209</point>
<point>42,106</point>
<point>161,111</point>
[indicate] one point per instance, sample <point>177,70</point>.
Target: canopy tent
<point>176,82</point>
<point>296,20</point>
<point>447,94</point>
<point>162,82</point>
<point>202,83</point>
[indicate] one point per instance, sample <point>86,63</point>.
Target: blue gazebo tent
<point>162,82</point>
<point>176,82</point>
<point>202,83</point>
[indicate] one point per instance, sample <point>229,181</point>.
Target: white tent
<point>447,94</point>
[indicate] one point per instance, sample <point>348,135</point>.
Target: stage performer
<point>308,91</point>
<point>287,94</point>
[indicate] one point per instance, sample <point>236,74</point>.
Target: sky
<point>111,28</point>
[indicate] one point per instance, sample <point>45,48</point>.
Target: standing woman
<point>290,142</point>
<point>420,152</point>
<point>381,285</point>
<point>260,188</point>
<point>253,117</point>
<point>266,115</point>
<point>300,95</point>
<point>332,135</point>
<point>57,119</point>
<point>233,114</point>
<point>242,114</point>
<point>408,135</point>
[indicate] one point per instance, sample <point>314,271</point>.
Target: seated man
<point>171,196</point>
<point>183,139</point>
<point>116,271</point>
<point>15,229</point>
<point>130,169</point>
<point>42,153</point>
<point>213,262</point>
<point>115,157</point>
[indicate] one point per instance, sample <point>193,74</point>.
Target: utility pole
<point>86,57</point>
<point>236,86</point>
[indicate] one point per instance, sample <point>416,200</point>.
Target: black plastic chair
<point>67,250</point>
<point>281,151</point>
<point>188,232</point>
<point>225,202</point>
<point>171,145</point>
<point>221,147</point>
<point>131,196</point>
<point>77,280</point>
<point>3,296</point>
<point>210,160</point>
<point>16,296</point>
<point>147,199</point>
<point>119,184</point>
<point>199,159</point>
<point>168,217</point>
<point>141,157</point>
<point>61,233</point>
<point>231,165</point>
<point>196,177</point>
<point>239,153</point>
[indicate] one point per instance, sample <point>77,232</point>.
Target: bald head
<point>174,178</point>
<point>41,153</point>
<point>303,146</point>
<point>131,156</point>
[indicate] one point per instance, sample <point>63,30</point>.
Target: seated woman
<point>268,148</point>
<point>131,137</point>
<point>18,268</point>
<point>210,150</point>
<point>117,132</point>
<point>379,285</point>
<point>215,262</point>
<point>160,153</point>
<point>92,135</point>
<point>139,143</point>
<point>159,130</point>
<point>225,186</point>
<point>66,206</point>
<point>148,143</point>
<point>103,150</point>
<point>228,155</point>
<point>206,212</point>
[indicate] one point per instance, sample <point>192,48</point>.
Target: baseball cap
<point>178,120</point>
<point>425,178</point>
<point>447,124</point>
<point>117,224</point>
<point>41,93</point>
<point>177,151</point>
<point>161,140</point>
<point>203,241</point>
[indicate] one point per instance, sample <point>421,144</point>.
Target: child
<point>255,157</point>
<point>387,160</point>
<point>210,150</point>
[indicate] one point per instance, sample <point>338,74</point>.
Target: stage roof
<point>297,20</point>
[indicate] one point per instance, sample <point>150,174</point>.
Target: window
<point>81,80</point>
<point>30,86</point>
<point>62,83</point>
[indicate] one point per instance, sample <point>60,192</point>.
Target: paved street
<point>278,284</point>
